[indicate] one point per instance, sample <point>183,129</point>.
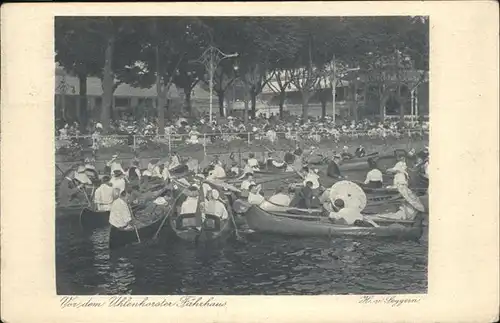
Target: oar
<point>135,227</point>
<point>137,234</point>
<point>230,211</point>
<point>166,216</point>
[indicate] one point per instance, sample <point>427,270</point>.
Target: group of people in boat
<point>120,188</point>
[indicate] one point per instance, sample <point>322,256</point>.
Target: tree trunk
<point>323,109</point>
<point>282,103</point>
<point>220,96</point>
<point>107,84</point>
<point>245,98</point>
<point>305,105</point>
<point>333,81</point>
<point>82,79</point>
<point>355,101</point>
<point>401,105</point>
<point>253,99</point>
<point>160,94</point>
<point>63,106</point>
<point>382,100</point>
<point>187,101</point>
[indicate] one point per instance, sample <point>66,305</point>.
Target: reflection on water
<point>263,265</point>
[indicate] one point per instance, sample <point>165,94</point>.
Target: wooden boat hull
<point>90,219</point>
<point>213,229</point>
<point>362,163</point>
<point>121,238</point>
<point>261,221</point>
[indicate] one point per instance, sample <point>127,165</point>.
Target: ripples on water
<point>265,265</point>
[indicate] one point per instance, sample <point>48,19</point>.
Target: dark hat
<point>339,203</point>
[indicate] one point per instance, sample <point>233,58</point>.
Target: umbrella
<point>353,196</point>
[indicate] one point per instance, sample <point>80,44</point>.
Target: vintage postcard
<point>236,162</point>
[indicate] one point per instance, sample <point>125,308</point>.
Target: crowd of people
<point>200,130</point>
<point>119,185</point>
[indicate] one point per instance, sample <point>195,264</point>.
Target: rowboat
<point>147,225</point>
<point>263,177</point>
<point>121,238</point>
<point>212,229</point>
<point>262,221</point>
<point>90,219</point>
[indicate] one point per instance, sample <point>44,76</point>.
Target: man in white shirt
<point>343,214</point>
<point>214,206</point>
<point>253,162</point>
<point>280,198</point>
<point>245,185</point>
<point>254,196</point>
<point>190,205</point>
<point>120,215</point>
<point>374,178</point>
<point>118,180</point>
<point>113,164</point>
<point>103,196</point>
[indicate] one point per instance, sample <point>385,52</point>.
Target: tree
<point>164,45</point>
<point>76,48</point>
<point>187,78</point>
<point>283,79</point>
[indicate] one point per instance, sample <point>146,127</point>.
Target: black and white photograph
<point>243,155</point>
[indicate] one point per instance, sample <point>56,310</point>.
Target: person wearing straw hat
<point>253,163</point>
<point>190,204</point>
<point>120,215</point>
<point>245,184</point>
<point>374,178</point>
<point>81,176</point>
<point>150,168</point>
<point>72,185</point>
<point>134,174</point>
<point>103,196</point>
<point>118,180</point>
<point>214,206</point>
<point>400,173</point>
<point>218,171</point>
<point>254,196</point>
<point>112,164</point>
